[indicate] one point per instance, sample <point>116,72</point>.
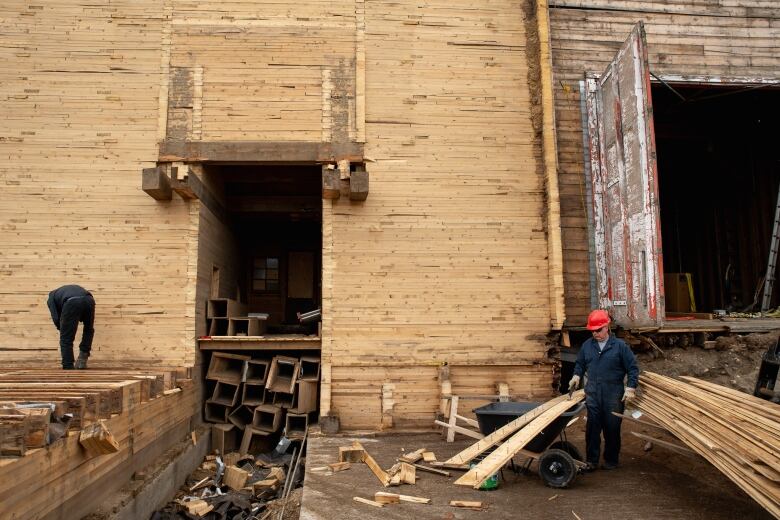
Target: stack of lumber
<point>522,430</point>
<point>31,398</point>
<point>62,480</point>
<point>252,398</point>
<point>738,433</point>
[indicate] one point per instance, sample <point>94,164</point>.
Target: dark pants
<point>75,310</point>
<point>601,402</point>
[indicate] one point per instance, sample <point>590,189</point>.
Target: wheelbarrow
<point>558,459</point>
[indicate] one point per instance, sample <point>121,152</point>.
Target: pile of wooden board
<point>252,398</point>
<point>33,401</point>
<point>738,433</point>
<point>522,430</point>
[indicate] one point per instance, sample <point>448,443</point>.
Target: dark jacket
<point>58,297</point>
<point>608,366</point>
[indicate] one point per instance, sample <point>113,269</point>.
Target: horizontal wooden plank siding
<point>263,66</point>
<point>447,259</point>
<point>716,39</point>
<point>445,262</point>
<point>79,105</point>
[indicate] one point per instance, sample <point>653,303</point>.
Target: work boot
<point>81,362</point>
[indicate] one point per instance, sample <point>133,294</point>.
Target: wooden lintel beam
<point>276,204</point>
<point>208,199</point>
<point>260,151</point>
<point>156,183</point>
<point>188,185</point>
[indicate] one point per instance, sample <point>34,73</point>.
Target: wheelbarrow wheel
<point>557,468</point>
<point>568,447</point>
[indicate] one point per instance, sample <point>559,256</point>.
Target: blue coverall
<point>603,393</point>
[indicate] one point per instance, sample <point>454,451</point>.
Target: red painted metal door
<point>627,236</point>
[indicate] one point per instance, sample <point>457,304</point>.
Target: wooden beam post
<point>331,182</point>
<point>156,184</point>
<point>358,184</point>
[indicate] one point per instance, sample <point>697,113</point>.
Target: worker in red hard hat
<point>612,380</point>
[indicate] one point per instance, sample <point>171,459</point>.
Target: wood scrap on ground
<point>430,470</point>
<point>466,504</point>
<point>351,454</point>
<point>413,456</point>
<point>383,477</point>
<point>407,473</point>
<point>368,502</point>
<point>736,432</point>
<point>401,498</point>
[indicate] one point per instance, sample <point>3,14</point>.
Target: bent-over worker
<point>607,361</point>
<point>69,305</point>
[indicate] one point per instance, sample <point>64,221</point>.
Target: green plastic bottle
<point>490,484</point>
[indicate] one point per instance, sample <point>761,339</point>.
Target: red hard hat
<point>597,319</point>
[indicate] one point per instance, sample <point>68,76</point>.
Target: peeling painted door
<point>629,271</point>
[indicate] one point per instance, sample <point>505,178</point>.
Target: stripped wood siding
<point>712,39</point>
<point>263,65</point>
<point>447,259</point>
<point>79,88</point>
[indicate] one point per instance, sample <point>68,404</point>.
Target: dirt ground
<point>731,361</point>
<point>653,485</point>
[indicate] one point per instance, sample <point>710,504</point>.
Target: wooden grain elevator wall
<point>79,101</point>
<point>447,260</point>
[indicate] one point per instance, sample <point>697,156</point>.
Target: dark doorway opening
<point>275,219</point>
<point>719,173</point>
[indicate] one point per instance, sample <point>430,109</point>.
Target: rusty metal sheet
<point>628,258</point>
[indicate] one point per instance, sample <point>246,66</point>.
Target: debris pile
<point>239,486</point>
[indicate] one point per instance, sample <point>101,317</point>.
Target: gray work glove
<point>628,394</point>
<point>574,383</point>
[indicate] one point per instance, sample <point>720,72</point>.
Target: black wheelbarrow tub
<point>493,416</point>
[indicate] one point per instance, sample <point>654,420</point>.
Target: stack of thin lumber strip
<point>738,433</point>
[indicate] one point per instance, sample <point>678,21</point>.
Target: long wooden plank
<point>468,454</point>
<point>711,421</point>
<point>682,450</point>
<point>383,477</point>
<point>477,475</point>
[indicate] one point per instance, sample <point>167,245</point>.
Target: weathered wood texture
<point>447,258</point>
<point>79,100</point>
<point>445,261</point>
<point>49,481</point>
<point>267,69</point>
<point>714,39</point>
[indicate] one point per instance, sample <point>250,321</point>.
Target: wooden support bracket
<point>331,182</point>
<point>156,183</point>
